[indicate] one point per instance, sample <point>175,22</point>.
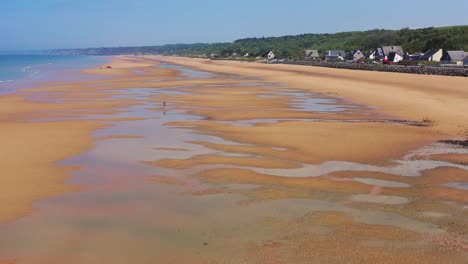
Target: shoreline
<point>25,141</point>
<point>52,67</point>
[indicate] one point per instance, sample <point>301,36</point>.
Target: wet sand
<point>440,99</point>
<point>249,163</point>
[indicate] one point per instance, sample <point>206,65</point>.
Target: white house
<point>372,55</point>
<point>393,53</point>
<point>270,55</point>
<point>247,55</point>
<point>397,58</point>
<point>432,55</point>
<point>358,55</point>
<point>376,54</point>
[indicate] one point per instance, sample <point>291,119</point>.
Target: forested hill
<point>412,40</point>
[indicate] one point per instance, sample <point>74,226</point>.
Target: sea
<point>17,71</point>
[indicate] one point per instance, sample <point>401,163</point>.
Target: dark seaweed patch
<point>463,143</point>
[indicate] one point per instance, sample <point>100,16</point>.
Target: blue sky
<point>50,24</point>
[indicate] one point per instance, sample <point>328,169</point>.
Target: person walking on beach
<point>164,103</point>
<point>164,107</point>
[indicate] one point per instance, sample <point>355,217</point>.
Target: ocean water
<point>22,69</point>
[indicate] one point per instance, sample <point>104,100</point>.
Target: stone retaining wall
<point>428,70</point>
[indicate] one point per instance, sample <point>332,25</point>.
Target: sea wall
<point>428,70</point>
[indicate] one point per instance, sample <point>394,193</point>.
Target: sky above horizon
<point>53,24</point>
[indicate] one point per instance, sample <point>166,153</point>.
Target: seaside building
<point>393,53</point>
<point>270,55</point>
<point>380,54</point>
<point>413,57</point>
<point>372,55</point>
<point>312,55</point>
<point>357,56</point>
<point>454,57</point>
<point>335,55</point>
<point>376,54</point>
<point>432,55</point>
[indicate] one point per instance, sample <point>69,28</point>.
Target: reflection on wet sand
<point>237,172</point>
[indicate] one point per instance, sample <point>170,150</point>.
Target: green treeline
<point>412,40</point>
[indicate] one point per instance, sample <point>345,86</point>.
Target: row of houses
<point>391,54</point>
<point>268,55</point>
<point>387,53</point>
<point>458,57</point>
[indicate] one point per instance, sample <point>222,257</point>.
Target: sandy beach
<point>439,99</point>
<point>249,163</point>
